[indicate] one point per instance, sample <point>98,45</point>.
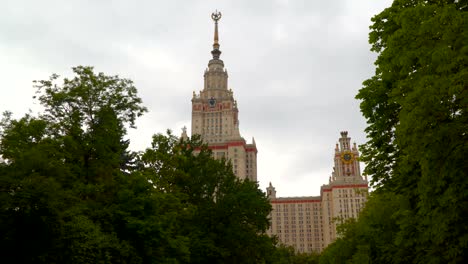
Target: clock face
<point>212,102</point>
<point>347,157</point>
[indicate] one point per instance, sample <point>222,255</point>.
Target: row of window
<point>301,231</point>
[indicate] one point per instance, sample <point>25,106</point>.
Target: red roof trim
<point>232,144</point>
<point>349,186</point>
<point>218,147</point>
<point>236,144</point>
<point>251,149</point>
<point>345,186</point>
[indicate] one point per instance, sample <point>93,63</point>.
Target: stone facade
<point>215,117</point>
<point>308,223</point>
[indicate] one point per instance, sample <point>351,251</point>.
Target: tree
<point>71,191</point>
<point>287,255</point>
<point>416,108</point>
<point>226,217</point>
<point>62,172</point>
<point>88,112</point>
<point>79,101</point>
<point>371,237</point>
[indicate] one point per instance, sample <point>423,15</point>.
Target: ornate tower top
<point>347,168</point>
<point>344,141</point>
<point>216,16</point>
<point>271,191</point>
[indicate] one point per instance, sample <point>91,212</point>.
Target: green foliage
<point>60,177</point>
<point>371,238</point>
<point>226,217</point>
<point>416,108</point>
<point>78,101</point>
<point>71,192</point>
<point>287,255</point>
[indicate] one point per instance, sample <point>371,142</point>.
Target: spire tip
<point>216,16</point>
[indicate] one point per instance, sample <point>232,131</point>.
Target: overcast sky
<point>294,67</point>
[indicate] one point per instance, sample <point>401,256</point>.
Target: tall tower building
<point>346,192</point>
<point>215,116</point>
<point>308,223</point>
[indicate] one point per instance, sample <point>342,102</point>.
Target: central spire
<point>216,16</point>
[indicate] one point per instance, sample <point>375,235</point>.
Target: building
<point>215,116</point>
<point>308,223</point>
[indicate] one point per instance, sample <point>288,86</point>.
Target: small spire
<point>216,16</point>
<point>184,133</point>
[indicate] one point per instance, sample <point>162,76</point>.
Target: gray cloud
<point>294,66</point>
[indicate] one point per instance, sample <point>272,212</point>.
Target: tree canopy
<point>72,192</point>
<point>416,107</point>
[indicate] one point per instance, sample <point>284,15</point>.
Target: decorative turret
<point>271,192</point>
<point>347,167</point>
<point>216,76</point>
<point>344,141</point>
<point>184,135</point>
